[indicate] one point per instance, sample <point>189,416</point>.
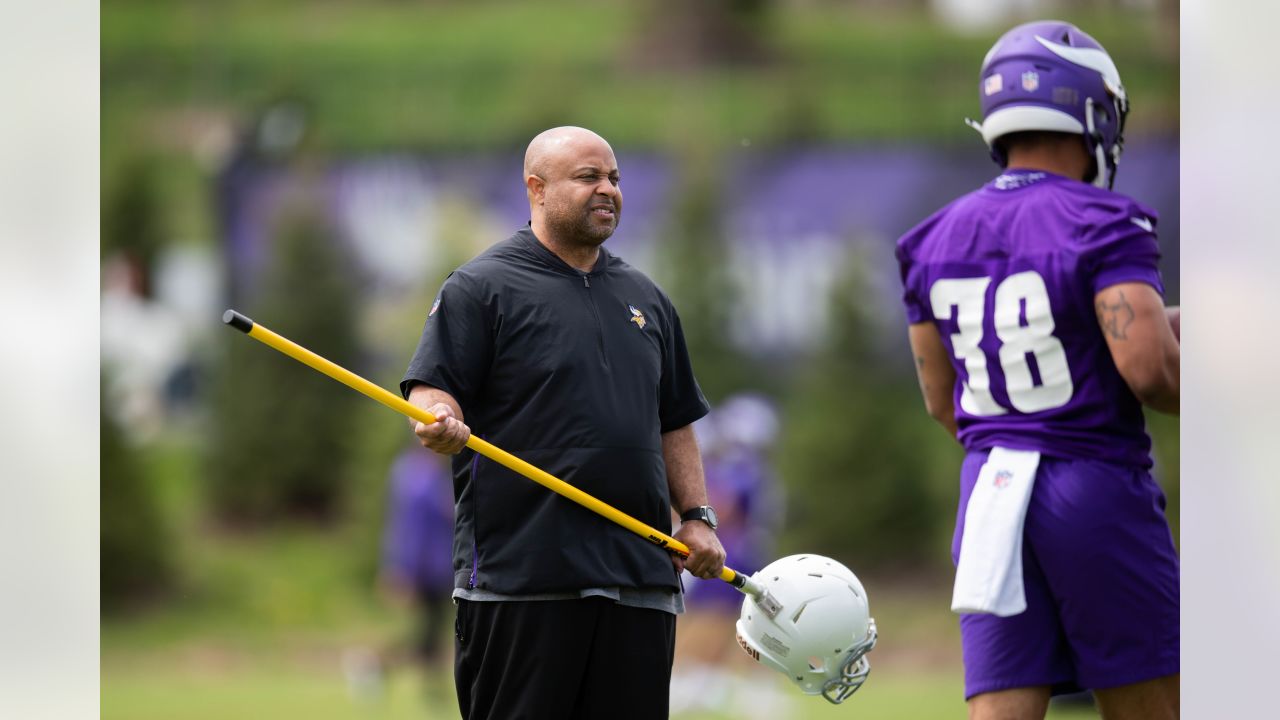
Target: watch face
<point>705,513</point>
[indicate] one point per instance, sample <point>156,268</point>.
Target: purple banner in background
<point>794,219</point>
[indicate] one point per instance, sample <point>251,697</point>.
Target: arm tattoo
<point>1115,317</point>
<point>924,385</point>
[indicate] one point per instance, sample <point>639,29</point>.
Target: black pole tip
<point>237,321</point>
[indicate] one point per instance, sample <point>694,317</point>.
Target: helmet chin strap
<point>994,148</point>
<point>1101,178</point>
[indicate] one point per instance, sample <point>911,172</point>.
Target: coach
<point>556,350</point>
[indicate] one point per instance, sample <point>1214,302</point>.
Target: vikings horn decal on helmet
<point>821,636</point>
<point>1050,75</point>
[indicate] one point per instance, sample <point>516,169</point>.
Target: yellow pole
<point>494,453</point>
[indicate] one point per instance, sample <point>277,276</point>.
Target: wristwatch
<point>705,513</point>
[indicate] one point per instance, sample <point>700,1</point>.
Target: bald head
<point>553,147</point>
<point>571,176</point>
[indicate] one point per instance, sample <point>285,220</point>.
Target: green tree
<point>135,563</point>
<point>282,435</point>
<point>691,35</point>
<point>695,273</point>
<point>870,478</point>
<point>131,219</point>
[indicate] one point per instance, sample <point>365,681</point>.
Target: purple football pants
<point>1101,577</point>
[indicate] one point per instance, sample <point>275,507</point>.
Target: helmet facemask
<point>1105,156</point>
<point>854,671</point>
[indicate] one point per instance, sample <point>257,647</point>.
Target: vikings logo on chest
<point>637,317</point>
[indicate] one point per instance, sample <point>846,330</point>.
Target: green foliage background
<point>870,475</point>
<point>136,557</point>
<point>281,439</point>
<point>245,544</point>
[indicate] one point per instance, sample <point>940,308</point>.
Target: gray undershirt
<point>645,598</point>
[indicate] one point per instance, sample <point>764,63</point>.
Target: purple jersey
<point>1008,273</point>
<point>417,543</point>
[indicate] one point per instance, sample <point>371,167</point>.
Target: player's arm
<point>448,435</point>
<point>1140,334</point>
<point>687,487</point>
<point>937,377</point>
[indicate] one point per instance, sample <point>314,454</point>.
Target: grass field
<point>208,684</point>
<point>272,645</point>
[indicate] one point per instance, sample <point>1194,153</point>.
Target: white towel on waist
<point>989,573</point>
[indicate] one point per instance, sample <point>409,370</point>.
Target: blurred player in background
<point>736,440</point>
<point>415,573</point>
<point>417,551</point>
<point>1039,331</point>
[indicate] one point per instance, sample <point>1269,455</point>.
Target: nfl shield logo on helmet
<point>637,317</point>
<point>1030,81</point>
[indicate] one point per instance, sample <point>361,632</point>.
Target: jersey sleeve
<point>456,348</point>
<point>1121,247</point>
<point>913,299</point>
<point>680,399</point>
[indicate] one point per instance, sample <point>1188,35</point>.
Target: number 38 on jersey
<point>1024,326</point>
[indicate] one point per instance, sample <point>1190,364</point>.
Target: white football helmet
<point>821,633</point>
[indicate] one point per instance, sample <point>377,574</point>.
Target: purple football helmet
<point>1050,75</point>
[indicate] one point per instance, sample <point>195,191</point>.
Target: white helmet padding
<point>1024,117</point>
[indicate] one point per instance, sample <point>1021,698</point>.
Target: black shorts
<point>562,659</point>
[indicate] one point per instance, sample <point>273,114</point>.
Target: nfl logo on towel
<point>1002,478</point>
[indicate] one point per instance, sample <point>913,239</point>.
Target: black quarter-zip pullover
<point>579,374</point>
